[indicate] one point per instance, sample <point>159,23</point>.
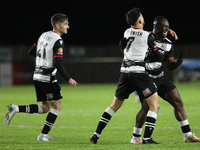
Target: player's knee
<point>156,106</point>
<point>56,105</point>
<point>59,108</point>
<point>45,108</point>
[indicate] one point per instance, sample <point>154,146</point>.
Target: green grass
<point>82,107</point>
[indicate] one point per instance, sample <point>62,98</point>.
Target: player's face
<point>162,28</point>
<point>142,19</point>
<point>63,27</point>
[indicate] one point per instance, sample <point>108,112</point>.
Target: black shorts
<point>164,86</point>
<point>130,82</point>
<point>47,91</point>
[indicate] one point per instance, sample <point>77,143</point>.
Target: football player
<point>48,51</point>
<point>133,76</point>
<point>166,89</point>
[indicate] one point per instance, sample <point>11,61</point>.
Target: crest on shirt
<point>60,51</point>
<point>146,92</point>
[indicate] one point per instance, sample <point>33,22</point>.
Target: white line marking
<point>84,127</point>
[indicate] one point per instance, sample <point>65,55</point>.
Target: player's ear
<point>57,25</point>
<point>140,21</point>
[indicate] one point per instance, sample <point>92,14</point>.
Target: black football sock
<point>33,108</point>
<point>150,124</point>
<point>104,120</point>
<point>51,118</point>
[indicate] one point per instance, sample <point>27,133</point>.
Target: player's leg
<point>105,118</point>
<point>31,108</point>
<point>140,120</point>
<point>151,117</point>
<point>141,116</point>
<point>122,92</point>
<point>53,95</point>
<point>147,91</point>
<point>50,120</point>
<point>173,97</point>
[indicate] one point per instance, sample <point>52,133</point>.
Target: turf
<point>82,107</point>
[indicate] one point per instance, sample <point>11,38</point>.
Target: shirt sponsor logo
<point>60,51</point>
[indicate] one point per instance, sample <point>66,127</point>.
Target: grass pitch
<point>82,107</point>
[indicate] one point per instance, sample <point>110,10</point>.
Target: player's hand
<point>173,33</point>
<point>72,82</point>
<point>180,60</point>
<point>122,44</point>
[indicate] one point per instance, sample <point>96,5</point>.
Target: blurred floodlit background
<point>91,52</point>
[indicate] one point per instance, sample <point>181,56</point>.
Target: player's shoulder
<point>59,42</point>
<point>136,29</point>
<point>127,31</point>
<point>52,34</point>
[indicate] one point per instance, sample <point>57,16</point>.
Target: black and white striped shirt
<point>155,67</point>
<point>48,52</point>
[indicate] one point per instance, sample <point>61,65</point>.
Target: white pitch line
<point>85,127</point>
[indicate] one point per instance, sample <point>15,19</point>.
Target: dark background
<point>93,22</point>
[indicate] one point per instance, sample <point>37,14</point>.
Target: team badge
<point>146,92</point>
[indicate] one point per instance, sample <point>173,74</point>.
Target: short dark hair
<point>57,18</point>
<point>132,16</point>
<point>158,19</point>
